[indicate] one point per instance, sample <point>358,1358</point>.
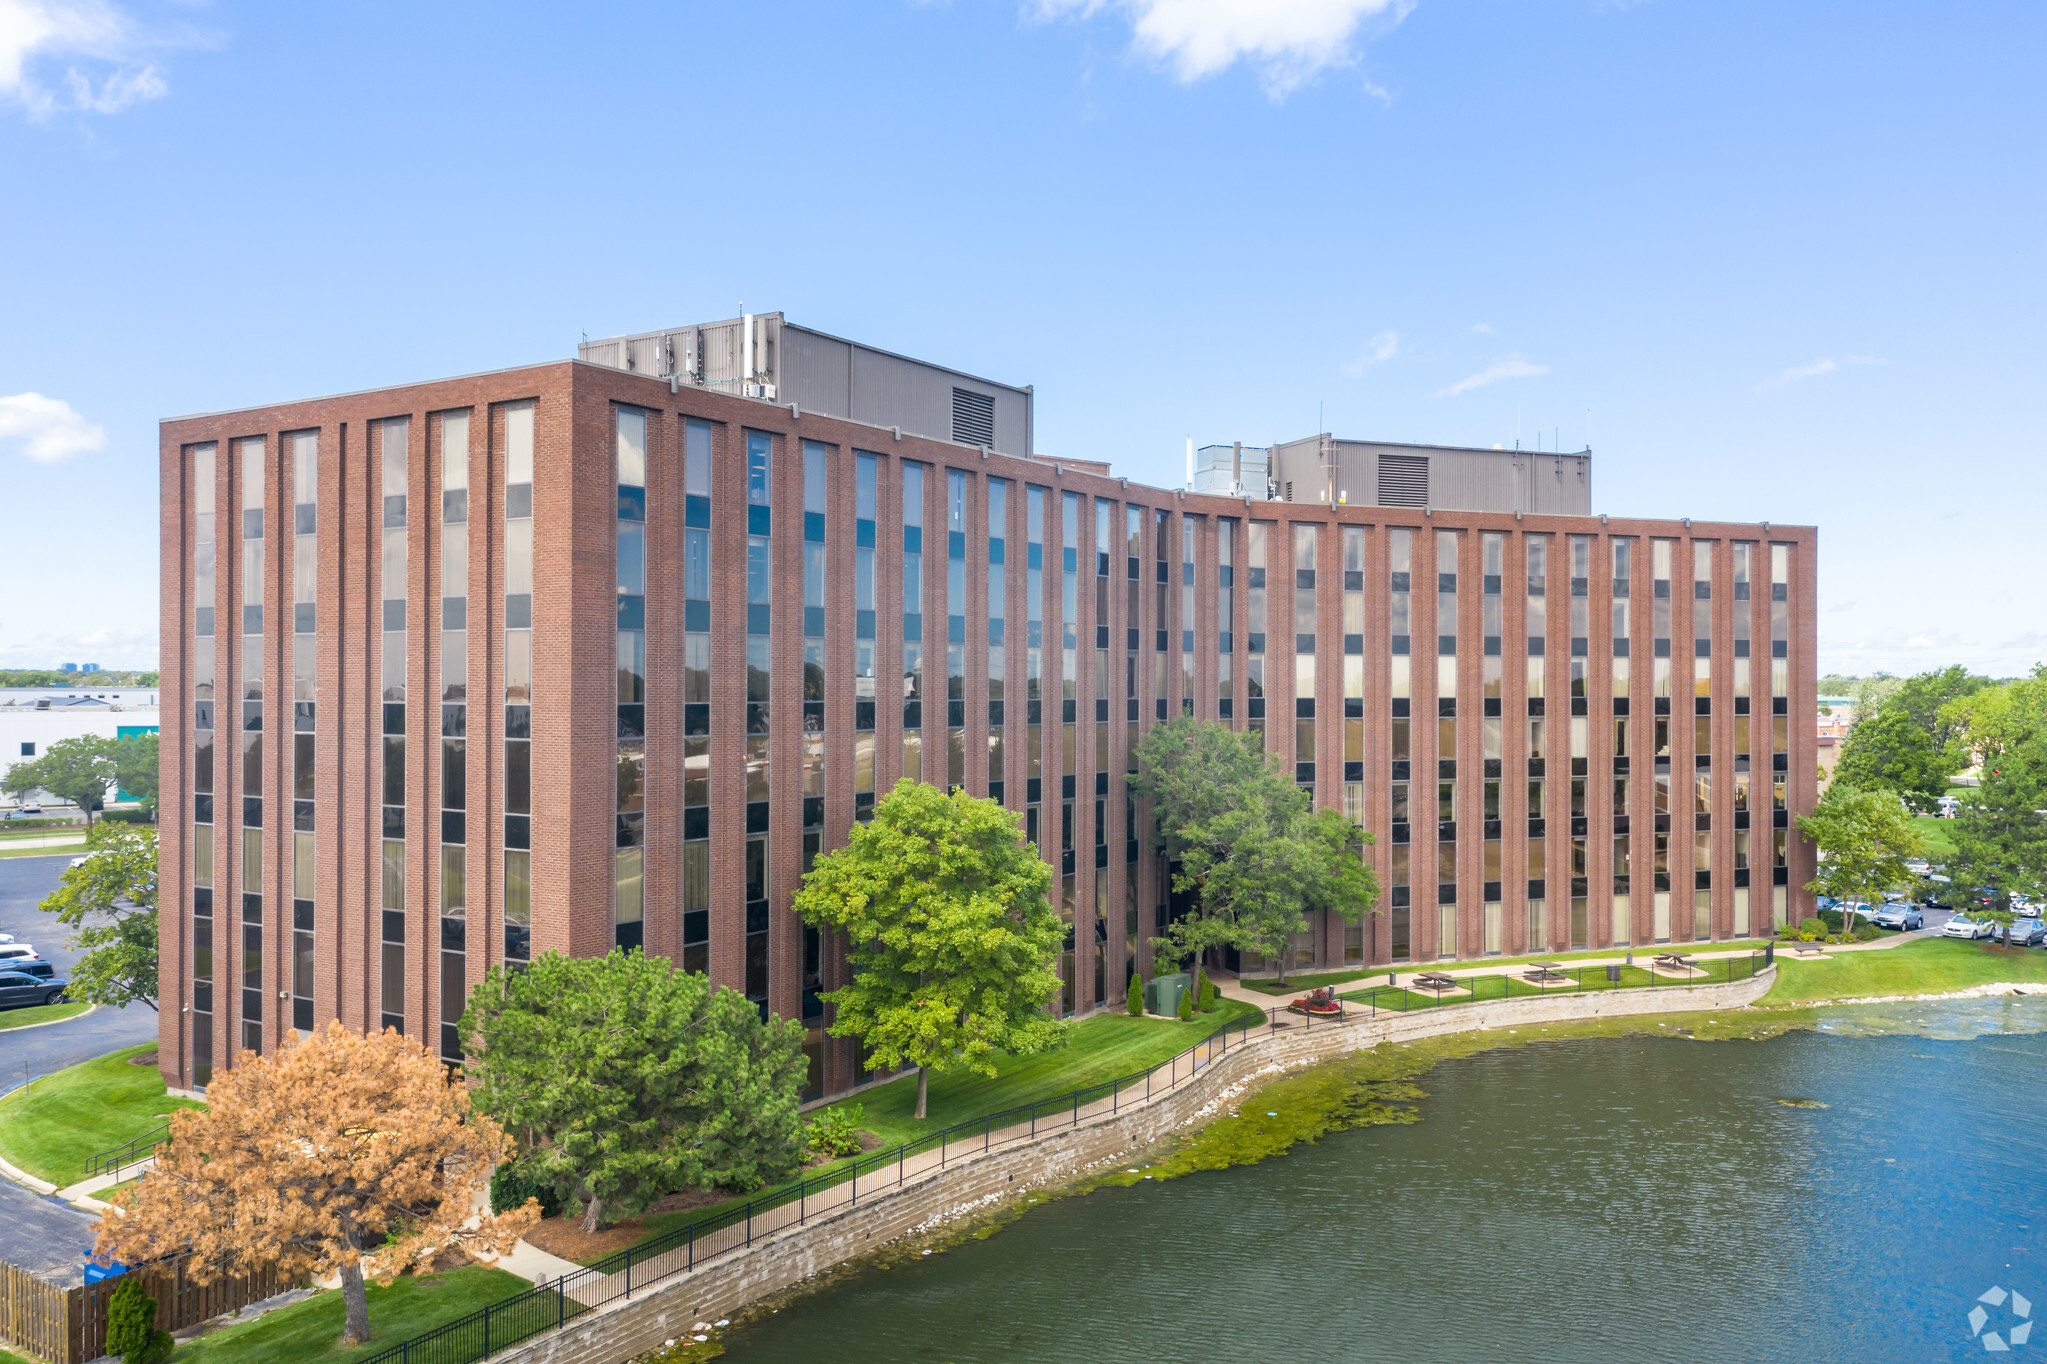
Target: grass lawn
<point>311,1330</point>
<point>41,1013</point>
<point>60,850</point>
<point>6,1358</point>
<point>1513,987</point>
<point>1929,966</point>
<point>52,1126</point>
<point>1935,832</point>
<point>1297,985</point>
<point>1098,1049</point>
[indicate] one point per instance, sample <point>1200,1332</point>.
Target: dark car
<point>19,987</point>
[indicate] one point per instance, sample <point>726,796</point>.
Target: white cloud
<point>47,427</point>
<point>1383,347</point>
<point>35,31</point>
<point>1513,367</point>
<point>1290,42</point>
<point>1832,364</point>
<point>1482,328</point>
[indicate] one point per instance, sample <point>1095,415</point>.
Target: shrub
<point>1186,1009</point>
<point>131,1326</point>
<point>1134,1005</point>
<point>1204,991</point>
<point>835,1131</point>
<point>1817,927</point>
<point>1865,932</point>
<point>510,1189</point>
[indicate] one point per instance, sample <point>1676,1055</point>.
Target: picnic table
<point>1675,961</point>
<point>1544,973</point>
<point>1436,980</point>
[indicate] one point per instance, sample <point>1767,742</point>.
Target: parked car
<point>1961,926</point>
<point>1919,866</point>
<point>15,951</point>
<point>18,989</point>
<point>25,812</point>
<point>1900,915</point>
<point>2029,932</point>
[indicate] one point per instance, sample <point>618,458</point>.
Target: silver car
<point>1899,915</point>
<point>2028,932</point>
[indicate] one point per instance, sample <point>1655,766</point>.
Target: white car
<point>1960,927</point>
<point>18,951</point>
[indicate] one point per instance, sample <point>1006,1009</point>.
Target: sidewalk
<point>1230,987</point>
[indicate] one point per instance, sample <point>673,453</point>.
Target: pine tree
<point>1134,1005</point>
<point>131,1326</point>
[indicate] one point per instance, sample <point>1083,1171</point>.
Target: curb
<point>51,1022</point>
<point>23,1177</point>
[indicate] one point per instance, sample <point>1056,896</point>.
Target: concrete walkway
<point>531,1262</point>
<point>1231,987</point>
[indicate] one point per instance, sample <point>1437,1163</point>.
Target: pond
<point>1844,1193</point>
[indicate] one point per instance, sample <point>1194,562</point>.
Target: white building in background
<point>32,723</point>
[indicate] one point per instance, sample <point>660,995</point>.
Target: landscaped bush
<point>835,1132</point>
<point>131,1326</point>
<point>1186,1009</point>
<point>1134,1004</point>
<point>126,817</point>
<point>510,1189</point>
<point>1865,932</point>
<point>1204,991</point>
<point>42,824</point>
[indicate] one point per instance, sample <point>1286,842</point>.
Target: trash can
<point>1613,972</point>
<point>1162,993</point>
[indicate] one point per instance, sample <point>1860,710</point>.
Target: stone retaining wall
<point>974,1184</point>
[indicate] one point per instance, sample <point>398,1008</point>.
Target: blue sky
<point>1779,262</point>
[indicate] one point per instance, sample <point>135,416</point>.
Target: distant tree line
<point>50,677</point>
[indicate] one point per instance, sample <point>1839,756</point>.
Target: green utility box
<point>1162,993</point>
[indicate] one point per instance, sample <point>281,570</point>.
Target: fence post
<point>561,1283</point>
<point>486,1332</point>
<point>693,1235</point>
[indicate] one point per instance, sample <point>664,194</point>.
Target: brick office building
<point>593,652</point>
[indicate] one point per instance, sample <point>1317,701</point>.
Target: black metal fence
<point>128,1152</point>
<point>548,1306</point>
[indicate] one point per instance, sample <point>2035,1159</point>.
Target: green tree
<point>81,769</point>
<point>110,902</point>
<point>1245,844</point>
<point>1925,697</point>
<point>1864,839</point>
<point>624,1079</point>
<point>950,937</point>
<point>132,1332</point>
<point>1989,721</point>
<point>1133,1002</point>
<point>135,761</point>
<point>2000,835</point>
<point>1889,751</point>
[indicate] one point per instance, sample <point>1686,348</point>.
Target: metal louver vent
<point>973,418</point>
<point>1403,480</point>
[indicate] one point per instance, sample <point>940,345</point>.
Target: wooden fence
<point>69,1325</point>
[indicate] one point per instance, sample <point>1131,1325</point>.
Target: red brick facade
<point>573,722</point>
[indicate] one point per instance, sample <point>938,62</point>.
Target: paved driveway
<point>44,1236</point>
<point>38,1051</point>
